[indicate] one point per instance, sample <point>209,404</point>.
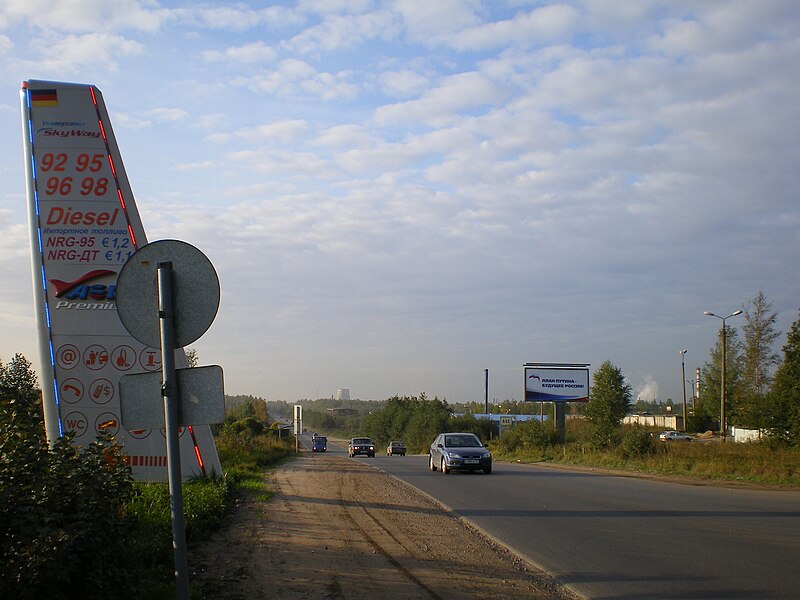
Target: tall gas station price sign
<point>84,226</point>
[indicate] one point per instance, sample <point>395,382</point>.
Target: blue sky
<point>398,195</point>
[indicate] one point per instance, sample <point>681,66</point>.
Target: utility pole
<point>723,430</point>
<point>486,392</point>
<point>683,384</point>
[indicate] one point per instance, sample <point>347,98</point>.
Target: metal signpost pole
<point>169,392</point>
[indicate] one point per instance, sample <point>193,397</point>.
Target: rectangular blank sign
<point>200,392</point>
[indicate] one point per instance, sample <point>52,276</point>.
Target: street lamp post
<point>723,430</point>
<point>683,384</point>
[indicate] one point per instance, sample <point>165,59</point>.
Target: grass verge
<point>244,459</point>
<point>755,463</point>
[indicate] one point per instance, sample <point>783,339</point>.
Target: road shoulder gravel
<point>336,528</point>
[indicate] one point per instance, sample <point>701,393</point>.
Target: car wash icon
<point>95,357</point>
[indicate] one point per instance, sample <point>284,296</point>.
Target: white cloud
<point>429,22</point>
<point>198,166</point>
<point>130,122</point>
<point>167,114</point>
<point>346,136</point>
<point>726,27</point>
<point>294,77</point>
<point>335,6</point>
<point>526,29</point>
<point>457,93</point>
<point>403,84</point>
<point>6,44</point>
<point>75,52</point>
<point>256,52</point>
<point>338,32</point>
<point>279,131</point>
<point>545,179</point>
<point>80,16</point>
<point>239,17</point>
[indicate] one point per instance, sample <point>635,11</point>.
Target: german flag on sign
<point>44,98</point>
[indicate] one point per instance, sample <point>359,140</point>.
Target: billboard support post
<point>169,392</point>
<point>560,420</point>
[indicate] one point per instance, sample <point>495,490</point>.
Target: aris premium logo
<point>74,294</point>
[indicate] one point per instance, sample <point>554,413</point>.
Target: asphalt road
<point>605,536</point>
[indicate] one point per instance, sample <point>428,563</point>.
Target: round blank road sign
<point>195,292</point>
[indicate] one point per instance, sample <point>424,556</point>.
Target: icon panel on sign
<point>71,390</point>
<point>101,391</point>
<point>68,356</point>
<point>123,358</point>
<point>150,359</point>
<point>95,357</point>
<point>75,421</point>
<point>107,423</point>
<point>139,434</point>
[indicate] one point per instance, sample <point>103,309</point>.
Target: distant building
<point>342,412</point>
<point>649,420</point>
<point>343,394</point>
<point>497,417</point>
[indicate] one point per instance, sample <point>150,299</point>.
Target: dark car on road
<point>396,448</point>
<point>361,445</point>
<point>459,452</point>
<point>319,443</point>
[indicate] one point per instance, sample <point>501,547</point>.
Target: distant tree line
<point>417,420</point>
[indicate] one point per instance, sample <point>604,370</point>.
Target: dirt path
<point>338,529</point>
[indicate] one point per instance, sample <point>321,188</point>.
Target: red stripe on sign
<point>147,461</point>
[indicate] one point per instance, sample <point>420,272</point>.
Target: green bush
<point>61,529</point>
<point>61,525</point>
<point>637,442</point>
<point>249,425</point>
<point>73,524</point>
<point>528,435</point>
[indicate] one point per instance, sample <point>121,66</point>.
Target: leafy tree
<point>192,358</point>
<point>783,408</point>
<point>609,402</point>
<point>708,405</point>
<point>21,415</point>
<point>758,361</point>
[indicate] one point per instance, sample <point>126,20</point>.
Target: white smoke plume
<point>648,390</point>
